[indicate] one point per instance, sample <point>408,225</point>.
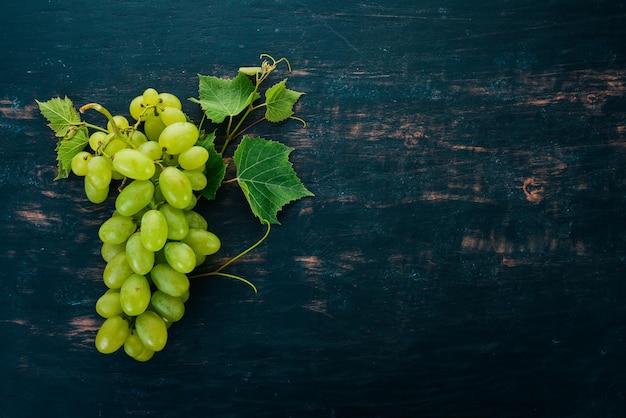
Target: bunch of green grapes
<point>154,238</point>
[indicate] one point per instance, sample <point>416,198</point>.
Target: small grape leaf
<point>280,100</point>
<point>215,168</point>
<point>266,177</point>
<point>68,147</point>
<point>221,97</point>
<point>61,114</point>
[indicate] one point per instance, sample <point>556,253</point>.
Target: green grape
<point>135,295</point>
<point>112,334</point>
<point>150,97</point>
<point>139,258</point>
<point>98,139</point>
<point>170,115</point>
<point>177,226</point>
<point>193,158</point>
<point>145,355</point>
<point>169,100</point>
<point>180,256</point>
<point>196,178</point>
<point>95,195</point>
<point>153,230</point>
<point>116,229</point>
<point>133,345</point>
<point>151,149</point>
<point>195,220</point>
<point>192,204</point>
<point>134,197</point>
<point>109,250</point>
<point>117,271</point>
<point>152,127</point>
<point>202,242</point>
<point>200,259</point>
<point>178,137</point>
<point>185,297</point>
<point>120,121</point>
<point>108,305</point>
<point>79,163</point>
<point>134,164</point>
<point>151,330</point>
<point>136,108</point>
<point>168,280</point>
<point>171,308</point>
<point>135,348</point>
<point>137,138</point>
<point>175,187</point>
<point>99,170</point>
<point>202,168</point>
<point>114,146</point>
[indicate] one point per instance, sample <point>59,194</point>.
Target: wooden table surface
<point>464,252</point>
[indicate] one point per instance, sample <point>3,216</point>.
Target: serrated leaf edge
<point>299,188</point>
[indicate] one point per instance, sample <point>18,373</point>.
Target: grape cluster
<point>154,238</point>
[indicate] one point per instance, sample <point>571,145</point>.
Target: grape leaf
<point>280,100</point>
<point>67,148</point>
<point>215,167</point>
<point>220,97</point>
<point>61,114</point>
<point>266,177</point>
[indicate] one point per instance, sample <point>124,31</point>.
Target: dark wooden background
<point>463,256</point>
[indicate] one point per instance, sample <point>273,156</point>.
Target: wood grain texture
<point>464,253</point>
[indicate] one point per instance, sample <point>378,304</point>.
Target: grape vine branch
<point>161,165</point>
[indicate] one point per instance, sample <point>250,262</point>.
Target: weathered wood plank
<point>464,252</point>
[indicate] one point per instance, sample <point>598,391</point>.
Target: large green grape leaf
<point>280,100</point>
<point>221,97</point>
<point>215,167</point>
<point>68,147</point>
<point>266,177</point>
<point>61,114</point>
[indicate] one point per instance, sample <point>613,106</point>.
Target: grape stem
<point>116,130</point>
<point>233,276</point>
<point>251,125</point>
<point>99,108</point>
<point>267,68</point>
<point>96,127</point>
<point>218,271</point>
